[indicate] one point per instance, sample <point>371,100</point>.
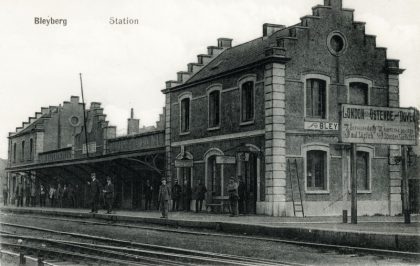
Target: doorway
<point>248,183</point>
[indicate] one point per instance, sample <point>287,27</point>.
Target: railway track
<point>114,251</point>
<point>343,248</point>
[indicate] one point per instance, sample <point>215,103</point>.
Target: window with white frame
<point>316,170</point>
<point>362,172</point>
<point>22,158</point>
<point>14,152</point>
<point>247,101</point>
<point>185,114</point>
<point>214,109</point>
<point>214,176</point>
<point>316,98</point>
<point>31,149</point>
<point>358,93</point>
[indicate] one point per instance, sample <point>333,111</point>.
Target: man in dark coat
<point>5,194</point>
<point>19,193</point>
<point>164,197</point>
<point>176,196</point>
<point>200,194</point>
<point>148,192</point>
<point>109,194</point>
<point>95,191</point>
<point>186,195</point>
<point>242,196</point>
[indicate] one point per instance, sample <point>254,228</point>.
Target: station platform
<point>381,232</point>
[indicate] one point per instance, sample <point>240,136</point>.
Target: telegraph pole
<point>353,178</point>
<point>84,115</point>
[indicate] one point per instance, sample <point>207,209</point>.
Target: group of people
<point>96,190</point>
<point>180,194</point>
<point>65,196</point>
<point>58,196</point>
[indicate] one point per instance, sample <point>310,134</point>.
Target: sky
<point>126,66</point>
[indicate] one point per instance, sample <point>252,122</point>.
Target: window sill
<point>315,119</point>
<point>317,192</point>
<point>246,123</point>
<point>184,133</point>
<point>363,192</point>
<point>213,128</point>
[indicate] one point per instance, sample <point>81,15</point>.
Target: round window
<point>74,121</point>
<point>336,43</point>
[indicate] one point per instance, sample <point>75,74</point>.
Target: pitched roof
<point>237,56</point>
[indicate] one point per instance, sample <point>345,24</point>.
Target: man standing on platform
<point>5,194</point>
<point>164,197</point>
<point>19,192</point>
<point>200,194</point>
<point>186,195</point>
<point>176,196</point>
<point>109,194</point>
<point>95,191</point>
<point>33,193</point>
<point>232,189</point>
<point>148,194</point>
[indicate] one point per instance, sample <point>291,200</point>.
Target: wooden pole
<point>353,178</point>
<point>84,116</point>
<point>405,195</point>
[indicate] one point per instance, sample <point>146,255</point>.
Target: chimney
<point>336,4</point>
<point>133,125</point>
<point>74,99</point>
<point>224,43</point>
<point>269,29</point>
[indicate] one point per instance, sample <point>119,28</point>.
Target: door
<point>249,174</point>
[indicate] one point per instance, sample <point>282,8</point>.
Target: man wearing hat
<point>164,197</point>
<point>176,195</point>
<point>95,191</point>
<point>232,189</point>
<point>109,194</point>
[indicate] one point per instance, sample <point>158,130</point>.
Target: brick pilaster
<point>168,156</point>
<point>275,139</point>
<point>395,177</point>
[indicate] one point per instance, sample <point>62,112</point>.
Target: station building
<point>56,147</point>
<point>265,112</point>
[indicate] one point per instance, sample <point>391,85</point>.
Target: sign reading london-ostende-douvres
<point>378,125</point>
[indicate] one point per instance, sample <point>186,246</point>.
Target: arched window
<point>247,101</point>
<point>362,173</point>
<point>358,93</point>
<point>214,109</point>
<point>22,158</point>
<point>14,152</point>
<point>31,149</point>
<point>316,98</point>
<point>364,157</point>
<point>215,177</point>
<point>185,114</point>
<point>316,170</point>
<point>213,172</point>
<point>358,90</point>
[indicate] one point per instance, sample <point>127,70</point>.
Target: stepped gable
<point>37,121</point>
<point>287,38</point>
<point>202,61</point>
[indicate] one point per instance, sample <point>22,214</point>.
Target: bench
<point>221,206</point>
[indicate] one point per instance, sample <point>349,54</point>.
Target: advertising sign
<point>325,126</point>
<point>221,159</point>
<point>378,125</point>
<point>183,163</point>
